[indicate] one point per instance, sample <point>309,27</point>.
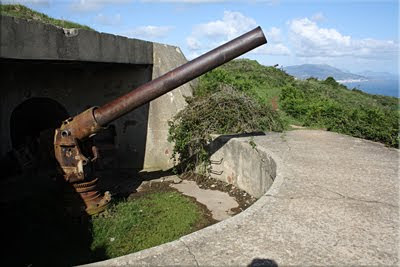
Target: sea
<point>376,87</point>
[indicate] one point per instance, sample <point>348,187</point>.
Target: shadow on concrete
<point>123,182</point>
<point>257,262</point>
<point>221,140</point>
<point>213,147</point>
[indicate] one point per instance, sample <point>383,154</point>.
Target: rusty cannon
<point>75,159</point>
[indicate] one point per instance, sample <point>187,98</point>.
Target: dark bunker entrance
<point>32,125</point>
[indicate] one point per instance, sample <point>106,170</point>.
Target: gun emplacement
<point>75,165</point>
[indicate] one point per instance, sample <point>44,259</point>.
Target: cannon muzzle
<point>179,76</point>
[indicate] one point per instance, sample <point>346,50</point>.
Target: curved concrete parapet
<point>334,201</point>
<point>239,161</point>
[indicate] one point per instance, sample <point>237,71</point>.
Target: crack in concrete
<point>190,252</point>
<point>301,197</point>
<point>356,199</point>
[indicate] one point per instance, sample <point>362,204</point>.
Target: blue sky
<point>352,35</point>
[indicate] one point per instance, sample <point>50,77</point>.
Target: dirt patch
<point>244,199</point>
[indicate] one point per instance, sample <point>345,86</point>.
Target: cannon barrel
<point>175,78</point>
<point>75,165</point>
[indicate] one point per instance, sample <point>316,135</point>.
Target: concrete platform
<point>334,201</point>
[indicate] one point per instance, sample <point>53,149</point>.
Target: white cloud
<point>310,40</point>
<point>214,33</point>
<point>148,32</point>
<point>231,25</point>
<point>193,43</point>
<point>211,34</point>
<point>318,17</point>
<point>93,5</point>
<point>272,49</point>
<point>108,20</point>
<point>274,35</point>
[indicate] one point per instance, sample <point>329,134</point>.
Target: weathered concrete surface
<point>20,39</point>
<point>334,202</point>
<point>241,163</point>
<point>158,149</point>
<point>219,203</point>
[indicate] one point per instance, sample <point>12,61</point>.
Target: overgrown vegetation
<point>223,111</point>
<point>332,106</point>
<point>24,12</point>
<point>148,221</point>
<point>244,96</point>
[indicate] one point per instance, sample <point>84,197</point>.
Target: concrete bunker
<point>38,95</point>
<point>89,68</point>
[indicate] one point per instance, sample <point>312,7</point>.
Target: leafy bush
<point>261,83</point>
<point>331,81</point>
<point>368,119</point>
<point>226,111</point>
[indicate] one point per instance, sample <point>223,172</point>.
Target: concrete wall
<point>22,39</point>
<point>240,162</point>
<point>158,149</point>
<point>81,68</point>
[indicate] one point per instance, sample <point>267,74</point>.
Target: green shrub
<point>364,118</point>
<point>226,111</point>
<point>331,81</point>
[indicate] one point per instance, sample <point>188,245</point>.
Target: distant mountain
<point>321,72</point>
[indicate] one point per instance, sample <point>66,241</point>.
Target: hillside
<point>321,72</point>
<point>275,100</point>
<point>20,11</point>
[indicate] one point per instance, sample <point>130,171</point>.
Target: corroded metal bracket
<point>75,166</point>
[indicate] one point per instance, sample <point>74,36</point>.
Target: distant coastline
<point>352,81</point>
<point>375,86</point>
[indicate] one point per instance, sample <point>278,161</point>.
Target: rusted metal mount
<point>75,166</point>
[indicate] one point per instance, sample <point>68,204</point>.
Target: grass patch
<point>151,220</point>
<point>20,11</point>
